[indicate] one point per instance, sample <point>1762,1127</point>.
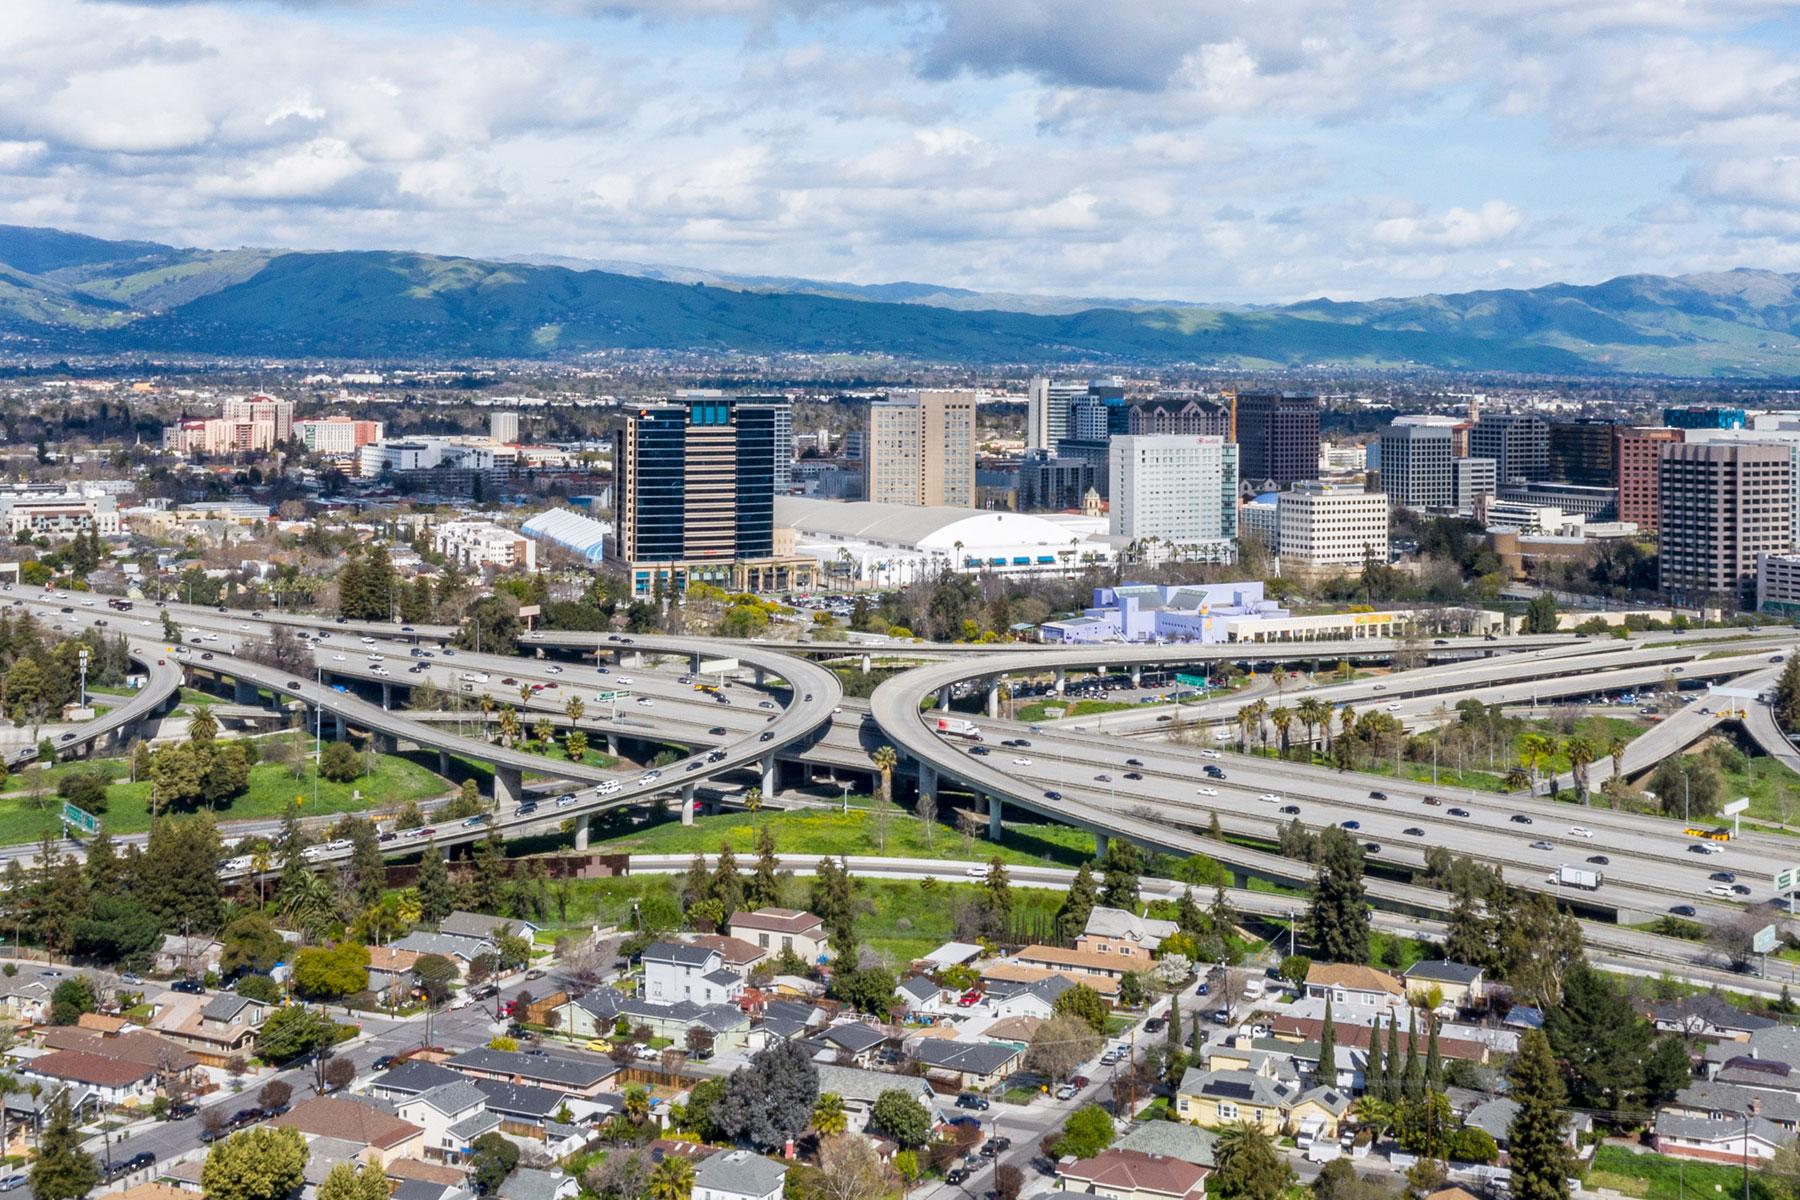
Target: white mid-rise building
<point>1323,526</point>
<point>483,544</point>
<point>1175,489</point>
<point>1471,479</point>
<point>504,427</point>
<point>337,436</point>
<point>59,516</point>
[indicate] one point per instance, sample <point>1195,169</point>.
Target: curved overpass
<point>162,681</point>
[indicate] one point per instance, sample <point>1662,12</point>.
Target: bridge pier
<point>771,778</point>
<point>339,730</point>
<point>1101,841</point>
<point>943,699</point>
<point>243,693</point>
<point>612,744</point>
<point>387,743</point>
<point>993,698</point>
<point>444,763</point>
<point>928,784</point>
<point>387,695</point>
<point>1060,681</point>
<point>757,674</point>
<point>687,804</point>
<point>994,811</point>
<point>509,786</point>
<point>693,664</point>
<point>1137,676</point>
<point>583,828</point>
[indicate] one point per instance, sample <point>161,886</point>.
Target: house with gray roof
<point>440,1110</point>
<point>480,925</point>
<point>971,1066</point>
<point>522,1103</point>
<point>598,1012</point>
<point>739,1175</point>
<point>854,1041</point>
<point>1723,1141</point>
<point>411,1078</point>
<point>1718,1101</point>
<point>576,1076</point>
<point>1495,1118</point>
<point>528,1183</point>
<point>1172,1139</point>
<point>859,1089</point>
<point>676,971</point>
<point>1214,1098</point>
<point>1778,1044</point>
<point>919,994</point>
<point>1708,1016</point>
<point>1122,932</point>
<point>459,950</point>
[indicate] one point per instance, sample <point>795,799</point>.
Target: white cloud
<point>1456,229</point>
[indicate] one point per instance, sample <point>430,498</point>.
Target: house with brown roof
<point>1132,1175</point>
<point>213,1027</point>
<point>1078,963</point>
<point>1017,972</point>
<point>391,972</point>
<point>117,1081</point>
<point>737,954</point>
<point>773,930</point>
<point>384,1136</point>
<point>1354,986</point>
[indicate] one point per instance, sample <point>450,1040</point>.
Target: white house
<point>778,929</point>
<point>739,1175</point>
<point>438,1111</point>
<point>674,971</point>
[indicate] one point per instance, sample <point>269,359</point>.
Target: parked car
<point>972,1101</point>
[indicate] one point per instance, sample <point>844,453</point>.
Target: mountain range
<point>68,293</point>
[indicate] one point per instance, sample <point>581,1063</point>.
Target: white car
<point>1394,707</point>
<point>378,670</point>
<point>212,637</point>
<point>1211,754</point>
<point>337,658</point>
<point>1718,889</point>
<point>976,872</point>
<point>1269,798</point>
<point>1578,831</point>
<point>87,604</point>
<point>1381,687</point>
<point>368,641</point>
<point>1021,762</point>
<point>622,681</point>
<point>553,670</point>
<point>565,800</point>
<point>646,701</point>
<point>1209,791</point>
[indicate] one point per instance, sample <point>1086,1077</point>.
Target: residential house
<point>169,1066</point>
<point>776,929</point>
<point>25,997</point>
<point>1353,986</point>
<point>1214,1098</point>
<point>1172,1139</point>
<point>414,1077</point>
<point>1459,1041</point>
<point>853,1043</point>
<point>214,1028</point>
<point>1131,1175</point>
<point>676,971</point>
<point>188,956</point>
<point>1079,964</point>
<point>1718,1101</point>
<point>383,1136</point>
<point>576,1076</point>
<point>529,1183</point>
<point>950,954</point>
<point>858,1089</point>
<point>391,972</point>
<point>1124,934</point>
<point>1495,1118</point>
<point>739,1175</point>
<point>526,1111</point>
<point>115,1081</point>
<point>1318,1111</point>
<point>1731,1140</point>
<point>1037,999</point>
<point>970,1066</point>
<point>919,995</point>
<point>437,1111</point>
<point>736,954</point>
<point>1018,972</point>
<point>1708,1016</point>
<point>486,928</point>
<point>461,951</point>
<point>1461,985</point>
<point>598,1013</point>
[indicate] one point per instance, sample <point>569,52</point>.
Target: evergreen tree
<point>1120,868</point>
<point>1415,1070</point>
<point>1537,1152</point>
<point>1327,1073</point>
<point>727,884</point>
<point>487,883</point>
<point>764,888</point>
<point>1787,694</point>
<point>367,869</point>
<point>1395,1079</point>
<point>1188,917</point>
<point>63,1170</point>
<point>696,885</point>
<point>1078,903</point>
<point>1434,1062</point>
<point>998,887</point>
<point>1173,1033</point>
<point>834,903</point>
<point>1375,1070</point>
<point>437,899</point>
<point>102,870</point>
<point>1196,1036</point>
<point>1337,921</point>
<point>1602,1040</point>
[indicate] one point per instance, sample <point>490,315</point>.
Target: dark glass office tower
<point>1277,436</point>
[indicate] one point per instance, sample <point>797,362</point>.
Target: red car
<point>969,998</point>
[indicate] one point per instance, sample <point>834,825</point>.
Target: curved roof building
<point>570,530</point>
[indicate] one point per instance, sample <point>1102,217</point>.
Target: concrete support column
<point>687,804</point>
<point>243,693</point>
<point>994,810</point>
<point>694,664</point>
<point>943,700</point>
<point>509,787</point>
<point>993,700</point>
<point>444,763</point>
<point>771,779</point>
<point>387,695</point>
<point>1060,681</point>
<point>1101,841</point>
<point>712,806</point>
<point>337,725</point>
<point>1137,675</point>
<point>612,744</point>
<point>387,743</point>
<point>757,674</point>
<point>867,662</point>
<point>583,827</point>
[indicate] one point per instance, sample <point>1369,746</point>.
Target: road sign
<point>81,819</point>
<point>718,666</point>
<point>1735,807</point>
<point>610,697</point>
<point>1764,941</point>
<point>1198,681</point>
<point>1787,880</point>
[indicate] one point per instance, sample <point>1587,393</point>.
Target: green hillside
<point>70,293</point>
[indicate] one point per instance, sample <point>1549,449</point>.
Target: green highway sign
<point>81,819</point>
<point>1764,941</point>
<point>1198,681</point>
<point>610,697</point>
<point>1787,880</point>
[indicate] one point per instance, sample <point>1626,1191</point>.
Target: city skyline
<point>1160,151</point>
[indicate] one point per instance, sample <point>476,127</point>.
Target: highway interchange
<point>799,714</point>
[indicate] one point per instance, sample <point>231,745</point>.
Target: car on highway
<point>768,735</point>
<point>1053,795</point>
<point>1291,810</point>
<point>477,819</point>
<point>1349,824</point>
<point>1378,795</point>
<point>765,704</point>
<point>1433,801</point>
<point>1413,831</point>
<point>1021,762</point>
<point>1723,877</point>
<point>1368,848</point>
<point>1134,762</point>
<point>1207,791</point>
<point>1269,798</point>
<point>1519,819</point>
<point>424,831</point>
<point>1213,772</point>
<point>1456,812</point>
<point>1703,848</point>
<point>1540,844</point>
<point>979,751</point>
<point>1683,910</point>
<point>976,871</point>
<point>1599,860</point>
<point>1775,658</point>
<point>1580,831</point>
<point>1209,753</point>
<point>1718,889</point>
<point>1743,889</point>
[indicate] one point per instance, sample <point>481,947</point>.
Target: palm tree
<point>1313,713</point>
<point>1282,717</point>
<point>637,1104</point>
<point>543,731</point>
<point>673,1179</point>
<point>1581,752</point>
<point>576,745</point>
<point>1374,1113</point>
<point>1517,777</point>
<point>1615,750</point>
<point>1535,749</point>
<point>1347,718</point>
<point>202,725</point>
<point>574,709</point>
<point>524,693</point>
<point>828,1116</point>
<point>1259,713</point>
<point>885,760</point>
<point>509,725</point>
<point>1243,723</point>
<point>1239,1136</point>
<point>753,802</point>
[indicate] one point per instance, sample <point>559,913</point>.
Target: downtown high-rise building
<point>696,497</point>
<point>503,427</point>
<point>1418,465</point>
<point>1639,457</point>
<point>921,449</point>
<point>1721,504</point>
<point>1519,444</point>
<point>1175,490</point>
<point>1183,415</point>
<point>246,410</point>
<point>1277,437</point>
<point>1585,453</point>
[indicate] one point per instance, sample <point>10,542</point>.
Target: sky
<point>1240,151</point>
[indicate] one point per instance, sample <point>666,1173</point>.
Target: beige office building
<point>1328,528</point>
<point>1720,505</point>
<point>921,449</point>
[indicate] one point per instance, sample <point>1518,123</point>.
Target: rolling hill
<point>69,293</point>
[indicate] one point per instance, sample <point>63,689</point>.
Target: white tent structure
<point>570,530</point>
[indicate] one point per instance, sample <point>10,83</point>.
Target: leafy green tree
<point>763,890</point>
<point>1087,1132</point>
<point>264,1163</point>
<point>259,987</point>
<point>62,1170</point>
<point>177,877</point>
<point>491,1159</point>
<point>1540,614</point>
<point>117,929</point>
<point>901,1117</point>
<point>1337,920</point>
<point>1601,1040</point>
<point>250,943</point>
<point>1248,1167</point>
<point>833,901</point>
<point>345,1182</point>
<point>671,1179</point>
<point>1084,1002</point>
<point>1787,695</point>
<point>340,763</point>
<point>870,990</point>
<point>437,896</point>
<point>1536,1150</point>
<point>292,1031</point>
<point>72,997</point>
<point>771,1099</point>
<point>322,973</point>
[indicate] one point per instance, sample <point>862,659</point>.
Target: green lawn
<point>1031,713</point>
<point>1657,1177</point>
<point>1774,793</point>
<point>29,807</point>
